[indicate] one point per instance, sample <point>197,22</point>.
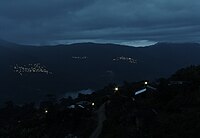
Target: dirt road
<point>101,118</point>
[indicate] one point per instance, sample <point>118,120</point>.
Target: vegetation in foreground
<point>172,110</point>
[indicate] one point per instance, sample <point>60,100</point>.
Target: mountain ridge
<point>83,66</point>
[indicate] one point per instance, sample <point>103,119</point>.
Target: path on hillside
<point>101,118</point>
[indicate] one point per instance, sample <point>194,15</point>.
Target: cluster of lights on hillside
<point>30,68</point>
<point>126,59</point>
<point>81,58</point>
<point>121,58</point>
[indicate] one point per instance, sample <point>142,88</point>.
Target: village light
<point>116,89</point>
<point>46,111</point>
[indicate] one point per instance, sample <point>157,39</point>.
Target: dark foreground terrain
<point>168,108</point>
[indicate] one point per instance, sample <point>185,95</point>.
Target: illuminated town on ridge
<point>126,59</point>
<point>30,68</point>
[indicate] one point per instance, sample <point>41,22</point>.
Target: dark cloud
<point>121,21</point>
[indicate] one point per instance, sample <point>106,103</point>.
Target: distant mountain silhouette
<point>89,65</point>
<point>6,43</point>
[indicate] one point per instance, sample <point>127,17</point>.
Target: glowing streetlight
<point>116,89</point>
<point>145,82</point>
<point>46,111</point>
<point>92,104</point>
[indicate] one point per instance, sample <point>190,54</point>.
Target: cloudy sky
<point>120,21</point>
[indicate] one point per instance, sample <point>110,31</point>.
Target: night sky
<point>130,22</point>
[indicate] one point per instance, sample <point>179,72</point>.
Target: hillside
<point>86,65</point>
<point>170,109</point>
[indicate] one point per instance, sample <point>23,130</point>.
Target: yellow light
<point>92,104</point>
<point>46,111</point>
<point>116,88</point>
